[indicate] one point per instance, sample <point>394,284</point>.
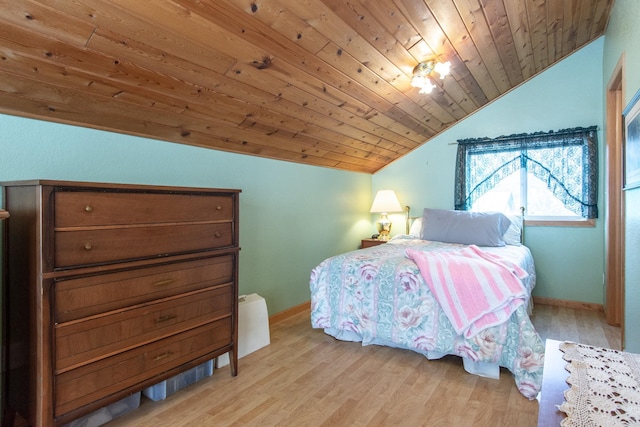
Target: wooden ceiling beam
<point>521,32</point>
<point>66,106</point>
<point>477,26</point>
<point>127,78</point>
<point>448,18</point>
<point>47,21</point>
<point>235,21</point>
<point>555,22</point>
<point>63,101</point>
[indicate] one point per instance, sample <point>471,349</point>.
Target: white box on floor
<point>253,326</point>
<point>108,413</point>
<point>169,386</point>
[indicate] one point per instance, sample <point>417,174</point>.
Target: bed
<point>379,295</point>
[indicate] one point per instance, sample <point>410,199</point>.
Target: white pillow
<point>468,228</point>
<point>513,233</point>
<point>416,228</point>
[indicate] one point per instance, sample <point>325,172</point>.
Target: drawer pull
<point>87,246</point>
<point>163,356</point>
<point>218,208</point>
<point>164,282</point>
<point>217,234</point>
<point>165,318</point>
<point>88,208</point>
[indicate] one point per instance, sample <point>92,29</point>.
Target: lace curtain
<point>567,160</point>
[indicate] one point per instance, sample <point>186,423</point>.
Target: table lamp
<point>385,202</point>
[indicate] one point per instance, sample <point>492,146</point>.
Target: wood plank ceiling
<point>320,82</point>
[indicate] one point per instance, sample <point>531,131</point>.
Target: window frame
<point>469,188</point>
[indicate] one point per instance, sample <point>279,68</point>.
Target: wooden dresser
<point>112,288</point>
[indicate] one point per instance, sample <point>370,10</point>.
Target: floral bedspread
<point>377,296</point>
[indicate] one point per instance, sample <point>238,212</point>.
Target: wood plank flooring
<point>307,378</point>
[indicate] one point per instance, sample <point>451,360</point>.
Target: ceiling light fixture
<point>422,71</point>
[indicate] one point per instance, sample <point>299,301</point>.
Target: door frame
<point>614,203</point>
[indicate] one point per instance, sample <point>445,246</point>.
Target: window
<point>553,175</point>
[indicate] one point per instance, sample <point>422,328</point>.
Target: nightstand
<point>367,243</point>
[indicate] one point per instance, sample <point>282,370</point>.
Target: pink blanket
<point>476,289</point>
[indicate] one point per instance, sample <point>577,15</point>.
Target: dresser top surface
<point>116,186</point>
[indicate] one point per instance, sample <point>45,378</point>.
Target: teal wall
<point>623,39</point>
<point>569,261</point>
<point>291,216</point>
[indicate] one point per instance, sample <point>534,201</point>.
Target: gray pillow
<point>469,228</point>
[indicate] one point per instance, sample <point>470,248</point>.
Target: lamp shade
<point>385,201</point>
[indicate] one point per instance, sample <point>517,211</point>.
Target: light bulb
<point>427,87</point>
<point>418,81</point>
<point>443,68</point>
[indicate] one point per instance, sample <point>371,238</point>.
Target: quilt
<point>378,296</point>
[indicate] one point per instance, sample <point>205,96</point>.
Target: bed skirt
<point>482,369</point>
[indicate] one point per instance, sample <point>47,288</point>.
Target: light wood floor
<point>306,378</point>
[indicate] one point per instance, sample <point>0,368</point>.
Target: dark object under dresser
<point>111,288</point>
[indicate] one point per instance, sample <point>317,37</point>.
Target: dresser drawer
<point>78,387</point>
<point>80,342</point>
<point>101,246</point>
<point>96,208</point>
<point>87,296</point>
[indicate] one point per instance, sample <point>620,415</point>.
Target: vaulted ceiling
<point>320,82</point>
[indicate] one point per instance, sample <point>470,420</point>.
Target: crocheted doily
<point>605,387</point>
